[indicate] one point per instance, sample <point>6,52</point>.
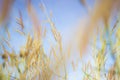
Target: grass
<point>33,63</point>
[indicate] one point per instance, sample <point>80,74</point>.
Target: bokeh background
<point>74,19</point>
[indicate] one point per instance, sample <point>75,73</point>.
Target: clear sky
<point>66,16</point>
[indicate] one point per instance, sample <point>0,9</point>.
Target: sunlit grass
<point>33,63</point>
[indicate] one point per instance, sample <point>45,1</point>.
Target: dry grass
<point>32,63</point>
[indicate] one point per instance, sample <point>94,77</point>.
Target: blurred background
<point>86,31</point>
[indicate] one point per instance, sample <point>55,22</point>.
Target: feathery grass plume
<point>57,37</point>
<point>115,25</point>
<point>33,63</point>
<point>20,20</point>
<point>8,34</point>
<point>102,9</point>
<point>20,32</point>
<point>99,70</point>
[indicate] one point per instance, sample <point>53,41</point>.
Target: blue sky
<point>66,16</point>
